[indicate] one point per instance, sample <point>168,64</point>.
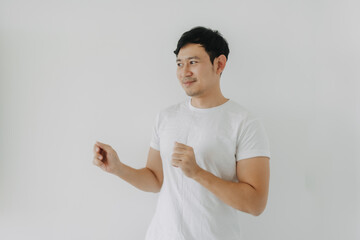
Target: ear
<point>220,63</point>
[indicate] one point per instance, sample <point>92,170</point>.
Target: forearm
<point>143,179</point>
<point>238,195</point>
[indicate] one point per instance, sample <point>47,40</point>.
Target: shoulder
<point>172,110</point>
<point>240,113</point>
<point>175,107</point>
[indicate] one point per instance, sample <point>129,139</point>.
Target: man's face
<point>195,72</point>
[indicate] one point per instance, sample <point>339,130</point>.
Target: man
<point>208,157</point>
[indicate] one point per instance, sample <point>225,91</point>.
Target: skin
<point>193,64</point>
<point>248,195</point>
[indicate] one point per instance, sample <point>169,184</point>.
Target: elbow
<point>257,211</point>
<point>157,189</point>
<point>258,206</point>
<point>253,209</point>
<point>254,205</point>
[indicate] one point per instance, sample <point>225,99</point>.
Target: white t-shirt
<point>220,136</point>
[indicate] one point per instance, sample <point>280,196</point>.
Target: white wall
<point>73,72</point>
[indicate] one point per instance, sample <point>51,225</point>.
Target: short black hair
<point>211,40</point>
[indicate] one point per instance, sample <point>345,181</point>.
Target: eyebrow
<point>194,57</point>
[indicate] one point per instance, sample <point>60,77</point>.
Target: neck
<point>208,101</point>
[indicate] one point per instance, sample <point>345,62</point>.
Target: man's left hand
<point>184,157</point>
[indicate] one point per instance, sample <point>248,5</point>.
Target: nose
<point>186,71</point>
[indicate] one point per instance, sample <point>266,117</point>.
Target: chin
<point>191,94</point>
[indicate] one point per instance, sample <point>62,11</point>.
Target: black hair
<point>211,40</point>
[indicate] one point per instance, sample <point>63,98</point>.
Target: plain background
<point>74,72</point>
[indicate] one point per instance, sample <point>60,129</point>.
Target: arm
<point>148,179</point>
<point>250,193</point>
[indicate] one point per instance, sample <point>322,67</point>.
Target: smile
<point>188,83</point>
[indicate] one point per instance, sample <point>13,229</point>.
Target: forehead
<point>192,50</point>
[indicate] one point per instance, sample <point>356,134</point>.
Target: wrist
<point>198,174</point>
<point>119,169</point>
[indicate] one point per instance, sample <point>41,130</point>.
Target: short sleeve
<point>252,141</point>
<point>155,141</point>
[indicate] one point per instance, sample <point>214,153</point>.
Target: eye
<point>193,62</point>
<point>179,64</point>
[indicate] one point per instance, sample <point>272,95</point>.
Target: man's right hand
<point>106,158</point>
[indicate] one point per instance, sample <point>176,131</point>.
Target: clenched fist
<point>106,158</point>
<point>184,157</point>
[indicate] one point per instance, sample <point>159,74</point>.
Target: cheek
<point>178,74</point>
<point>202,70</point>
<point>207,73</point>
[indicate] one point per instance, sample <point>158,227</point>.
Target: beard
<point>193,92</point>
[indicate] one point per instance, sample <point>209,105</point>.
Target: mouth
<point>188,83</point>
